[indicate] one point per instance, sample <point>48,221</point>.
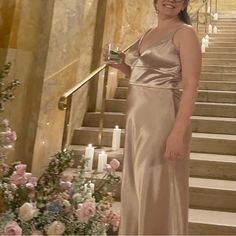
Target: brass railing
<point>65,101</point>
<point>207,13</point>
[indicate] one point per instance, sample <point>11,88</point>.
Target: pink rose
<point>5,122</point>
<point>33,181</point>
<point>20,169</point>
<point>111,168</point>
<point>65,185</point>
<point>115,164</point>
<point>115,221</point>
<point>10,136</point>
<point>86,211</point>
<point>12,229</point>
<point>18,179</point>
<point>67,178</point>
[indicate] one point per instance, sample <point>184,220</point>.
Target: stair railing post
<point>66,105</point>
<point>216,5</point>
<point>206,18</point>
<point>197,21</point>
<point>101,120</point>
<point>210,11</point>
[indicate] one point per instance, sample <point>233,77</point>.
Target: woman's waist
<point>177,85</point>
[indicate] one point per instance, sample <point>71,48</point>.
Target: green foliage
<point>6,87</point>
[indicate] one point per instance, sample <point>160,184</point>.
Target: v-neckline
<point>163,39</point>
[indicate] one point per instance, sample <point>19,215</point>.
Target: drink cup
<point>113,55</point>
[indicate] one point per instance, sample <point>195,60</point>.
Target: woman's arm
<point>190,54</point>
<point>123,67</point>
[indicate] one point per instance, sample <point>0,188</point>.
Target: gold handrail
<point>65,100</point>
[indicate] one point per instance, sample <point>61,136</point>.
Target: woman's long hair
<point>183,14</point>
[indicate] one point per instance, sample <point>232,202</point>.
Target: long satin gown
<point>154,195</point>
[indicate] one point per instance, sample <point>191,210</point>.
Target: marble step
<point>220,35</point>
<point>221,49</point>
<point>221,44</point>
<point>209,194</point>
<point>216,76</point>
<point>221,26</point>
<point>220,69</point>
<point>201,142</point>
<point>220,31</point>
<point>206,222</point>
<point>203,95</point>
<point>213,166</point>
<point>222,39</point>
<point>203,84</point>
<point>221,62</point>
<point>200,124</point>
<point>202,165</point>
<point>212,194</point>
<point>216,55</point>
<point>201,108</point>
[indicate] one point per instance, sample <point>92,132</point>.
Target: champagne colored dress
<point>154,196</point>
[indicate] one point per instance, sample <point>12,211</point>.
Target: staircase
<point>213,155</point>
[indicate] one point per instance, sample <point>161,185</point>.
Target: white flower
<point>56,228</point>
<point>66,203</point>
<point>77,197</point>
<point>27,212</point>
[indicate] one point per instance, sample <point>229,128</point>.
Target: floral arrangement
<point>57,203</point>
<point>60,202</point>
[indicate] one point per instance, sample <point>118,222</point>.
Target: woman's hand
<point>174,146</point>
<point>110,63</point>
<point>123,67</point>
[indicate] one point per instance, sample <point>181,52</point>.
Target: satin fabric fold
<point>154,196</point>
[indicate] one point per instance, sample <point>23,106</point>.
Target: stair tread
<point>214,136</point>
<point>212,217</point>
<point>205,103</point>
<point>216,103</point>
<point>199,90</point>
<point>216,91</point>
<point>213,157</point>
<point>203,216</point>
<point>209,118</point>
<point>193,156</point>
<point>212,184</point>
<point>205,183</point>
<point>194,134</point>
<point>217,82</point>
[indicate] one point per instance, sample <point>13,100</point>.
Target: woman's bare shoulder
<point>186,30</point>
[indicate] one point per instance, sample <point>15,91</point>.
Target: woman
<point>154,198</point>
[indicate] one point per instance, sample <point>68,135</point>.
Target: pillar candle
<point>89,154</point>
<point>207,37</point>
<point>215,16</point>
<point>102,161</point>
<point>208,9</point>
<point>89,186</point>
<point>210,29</point>
<point>203,40</point>
<point>116,138</point>
<point>215,30</point>
<point>206,43</point>
<point>203,48</point>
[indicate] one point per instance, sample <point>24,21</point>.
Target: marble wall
<point>68,61</point>
<point>50,46</point>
